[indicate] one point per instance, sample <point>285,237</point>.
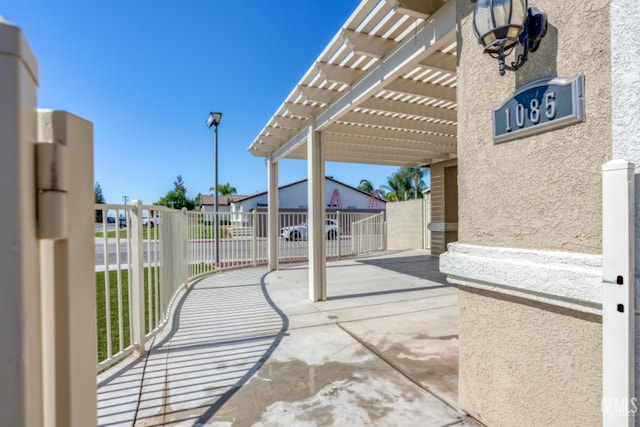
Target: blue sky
<point>147,73</point>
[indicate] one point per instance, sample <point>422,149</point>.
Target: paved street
<point>230,250</point>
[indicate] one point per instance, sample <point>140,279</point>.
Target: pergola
<point>383,92</point>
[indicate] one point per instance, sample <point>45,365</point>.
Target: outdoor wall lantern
<point>500,25</point>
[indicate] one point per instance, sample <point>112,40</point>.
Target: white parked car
<point>155,220</point>
<point>300,231</point>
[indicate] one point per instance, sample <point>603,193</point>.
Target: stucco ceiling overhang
<point>383,91</point>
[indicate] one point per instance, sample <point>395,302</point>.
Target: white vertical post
<point>137,282</point>
<point>273,214</point>
<point>384,234</point>
<point>427,221</point>
<point>338,233</point>
<point>316,216</point>
<point>254,238</point>
<point>184,218</point>
<point>68,277</point>
<point>625,110</point>
<point>20,315</point>
<point>618,307</point>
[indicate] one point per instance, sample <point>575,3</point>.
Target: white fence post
<point>185,242</point>
<point>68,276</point>
<point>254,234</point>
<point>427,221</point>
<point>384,232</point>
<point>20,315</point>
<point>338,234</point>
<point>618,306</point>
<point>137,282</point>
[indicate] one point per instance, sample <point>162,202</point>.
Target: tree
<point>176,198</point>
<point>99,200</point>
<point>365,186</point>
<point>403,182</point>
<point>398,186</point>
<point>178,185</point>
<point>225,189</point>
<point>97,193</point>
<point>416,175</point>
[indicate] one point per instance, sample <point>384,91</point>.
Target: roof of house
<point>207,199</point>
<point>328,178</point>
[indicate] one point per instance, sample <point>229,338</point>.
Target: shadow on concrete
<point>387,292</point>
<point>247,376</point>
<point>221,334</point>
<point>423,267</point>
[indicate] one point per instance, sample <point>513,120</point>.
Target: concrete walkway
<point>247,347</point>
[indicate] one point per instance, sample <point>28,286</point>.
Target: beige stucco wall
<point>404,225</point>
<point>542,192</point>
<point>528,365</point>
<point>523,363</point>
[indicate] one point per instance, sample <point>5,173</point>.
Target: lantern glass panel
<point>483,22</point>
<point>514,32</point>
<point>518,13</point>
<point>502,12</point>
<point>488,39</point>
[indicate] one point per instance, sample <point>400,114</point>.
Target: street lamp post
<point>214,120</point>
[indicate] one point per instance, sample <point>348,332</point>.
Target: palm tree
<point>398,186</point>
<point>416,175</point>
<point>225,189</point>
<point>365,186</point>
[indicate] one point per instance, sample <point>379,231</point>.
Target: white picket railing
<point>368,234</point>
<point>141,263</point>
<point>146,254</point>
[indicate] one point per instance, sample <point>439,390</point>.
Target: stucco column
<point>316,216</point>
<point>625,110</point>
<point>20,335</point>
<point>272,176</point>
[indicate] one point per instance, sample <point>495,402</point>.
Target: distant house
<point>206,203</point>
<point>339,196</point>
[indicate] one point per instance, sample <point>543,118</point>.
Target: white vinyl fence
<point>368,234</point>
<point>141,263</point>
<point>146,254</point>
<point>427,220</point>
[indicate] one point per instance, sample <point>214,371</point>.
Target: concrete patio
<point>247,347</point>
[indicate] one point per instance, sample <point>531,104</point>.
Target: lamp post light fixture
<point>214,120</point>
<point>500,25</point>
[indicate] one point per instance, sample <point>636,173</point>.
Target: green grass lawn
<point>202,231</point>
<point>195,232</point>
<point>113,315</point>
<point>146,232</point>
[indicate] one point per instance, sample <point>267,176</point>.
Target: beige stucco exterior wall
<point>542,192</point>
<point>444,206</point>
<point>528,365</point>
<point>404,225</point>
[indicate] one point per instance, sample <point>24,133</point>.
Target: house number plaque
<point>538,107</point>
